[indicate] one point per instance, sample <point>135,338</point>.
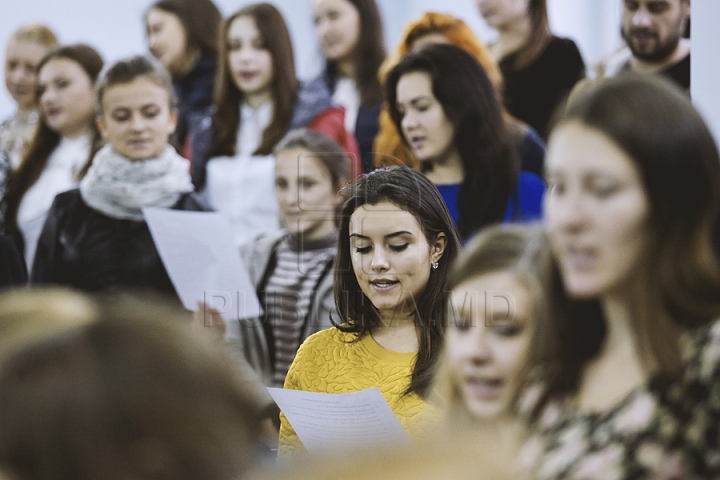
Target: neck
<point>346,68</point>
<point>397,332</point>
<point>77,132</point>
<point>447,170</point>
<point>642,66</point>
<point>23,113</point>
<point>188,63</point>
<point>511,37</point>
<point>256,100</point>
<point>620,335</point>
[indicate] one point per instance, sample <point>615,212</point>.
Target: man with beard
<point>653,31</point>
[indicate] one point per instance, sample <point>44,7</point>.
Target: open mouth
<point>484,388</point>
<point>383,284</point>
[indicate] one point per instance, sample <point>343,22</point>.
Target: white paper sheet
<point>203,263</point>
<point>326,421</point>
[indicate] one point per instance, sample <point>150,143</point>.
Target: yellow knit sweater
<point>327,363</point>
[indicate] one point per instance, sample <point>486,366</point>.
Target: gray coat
<point>247,337</point>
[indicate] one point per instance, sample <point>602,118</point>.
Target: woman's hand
<point>207,317</point>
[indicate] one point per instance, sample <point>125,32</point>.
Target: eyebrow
<point>389,235</point>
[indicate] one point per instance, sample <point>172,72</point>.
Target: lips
<point>138,144</point>
<point>580,258</point>
<point>417,142</point>
<point>384,284</point>
<point>247,76</point>
<point>484,388</point>
<point>51,112</point>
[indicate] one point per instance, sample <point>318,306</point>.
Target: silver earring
<point>435,265</point>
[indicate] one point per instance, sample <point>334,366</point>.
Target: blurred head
<point>632,215</point>
<point>66,88</point>
<point>127,392</point>
<point>497,297</point>
<point>136,107</point>
<point>27,46</point>
<point>350,31</point>
<point>501,14</point>
<point>394,228</point>
<point>256,58</point>
<point>435,27</point>
<point>310,169</point>
<point>442,103</point>
<point>506,14</point>
<point>653,28</point>
<point>249,60</point>
<point>179,32</point>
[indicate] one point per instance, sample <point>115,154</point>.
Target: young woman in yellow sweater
<point>396,244</point>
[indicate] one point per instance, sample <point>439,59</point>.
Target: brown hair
<point>201,19</point>
<point>126,70</point>
<point>677,278</point>
<point>285,85</point>
<point>409,190</point>
<point>539,36</point>
<point>126,392</point>
<point>46,140</point>
<point>368,55</point>
<point>36,33</point>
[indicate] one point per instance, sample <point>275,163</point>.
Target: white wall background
<point>115,28</point>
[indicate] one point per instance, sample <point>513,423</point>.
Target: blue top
<point>524,204</point>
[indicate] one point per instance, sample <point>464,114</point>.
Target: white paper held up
<point>202,261</point>
<point>336,421</point>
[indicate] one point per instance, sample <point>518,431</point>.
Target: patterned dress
<point>665,429</point>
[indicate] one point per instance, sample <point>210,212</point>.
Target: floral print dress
<point>663,430</point>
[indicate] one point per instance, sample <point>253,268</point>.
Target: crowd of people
<point>525,262</point>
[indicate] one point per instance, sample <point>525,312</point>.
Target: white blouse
<point>346,94</point>
<point>59,175</point>
<point>242,187</point>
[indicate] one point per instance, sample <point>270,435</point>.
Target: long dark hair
<point>284,86</point>
<point>46,140</point>
<point>470,102</point>
<point>677,279</point>
<point>368,55</point>
<point>201,19</point>
<point>409,190</point>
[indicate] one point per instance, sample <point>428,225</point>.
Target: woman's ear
<point>101,126</point>
<point>173,120</point>
<point>438,248</point>
<point>339,197</point>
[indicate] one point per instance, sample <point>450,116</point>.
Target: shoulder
<point>261,245</point>
<point>68,199</point>
<point>529,182</point>
<point>701,351</point>
<point>313,98</point>
<point>562,46</point>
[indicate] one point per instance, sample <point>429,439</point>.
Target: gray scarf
<point>119,187</point>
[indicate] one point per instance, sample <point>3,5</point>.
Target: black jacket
<point>85,249</point>
<point>12,265</point>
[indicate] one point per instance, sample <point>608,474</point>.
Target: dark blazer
<point>12,265</point>
<point>83,248</point>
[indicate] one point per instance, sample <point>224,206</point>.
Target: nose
<point>409,122</point>
<point>642,18</point>
<point>565,212</point>
<point>474,346</point>
<point>137,122</point>
<point>379,261</point>
<point>322,28</point>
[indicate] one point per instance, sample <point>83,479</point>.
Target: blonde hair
<point>36,33</point>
